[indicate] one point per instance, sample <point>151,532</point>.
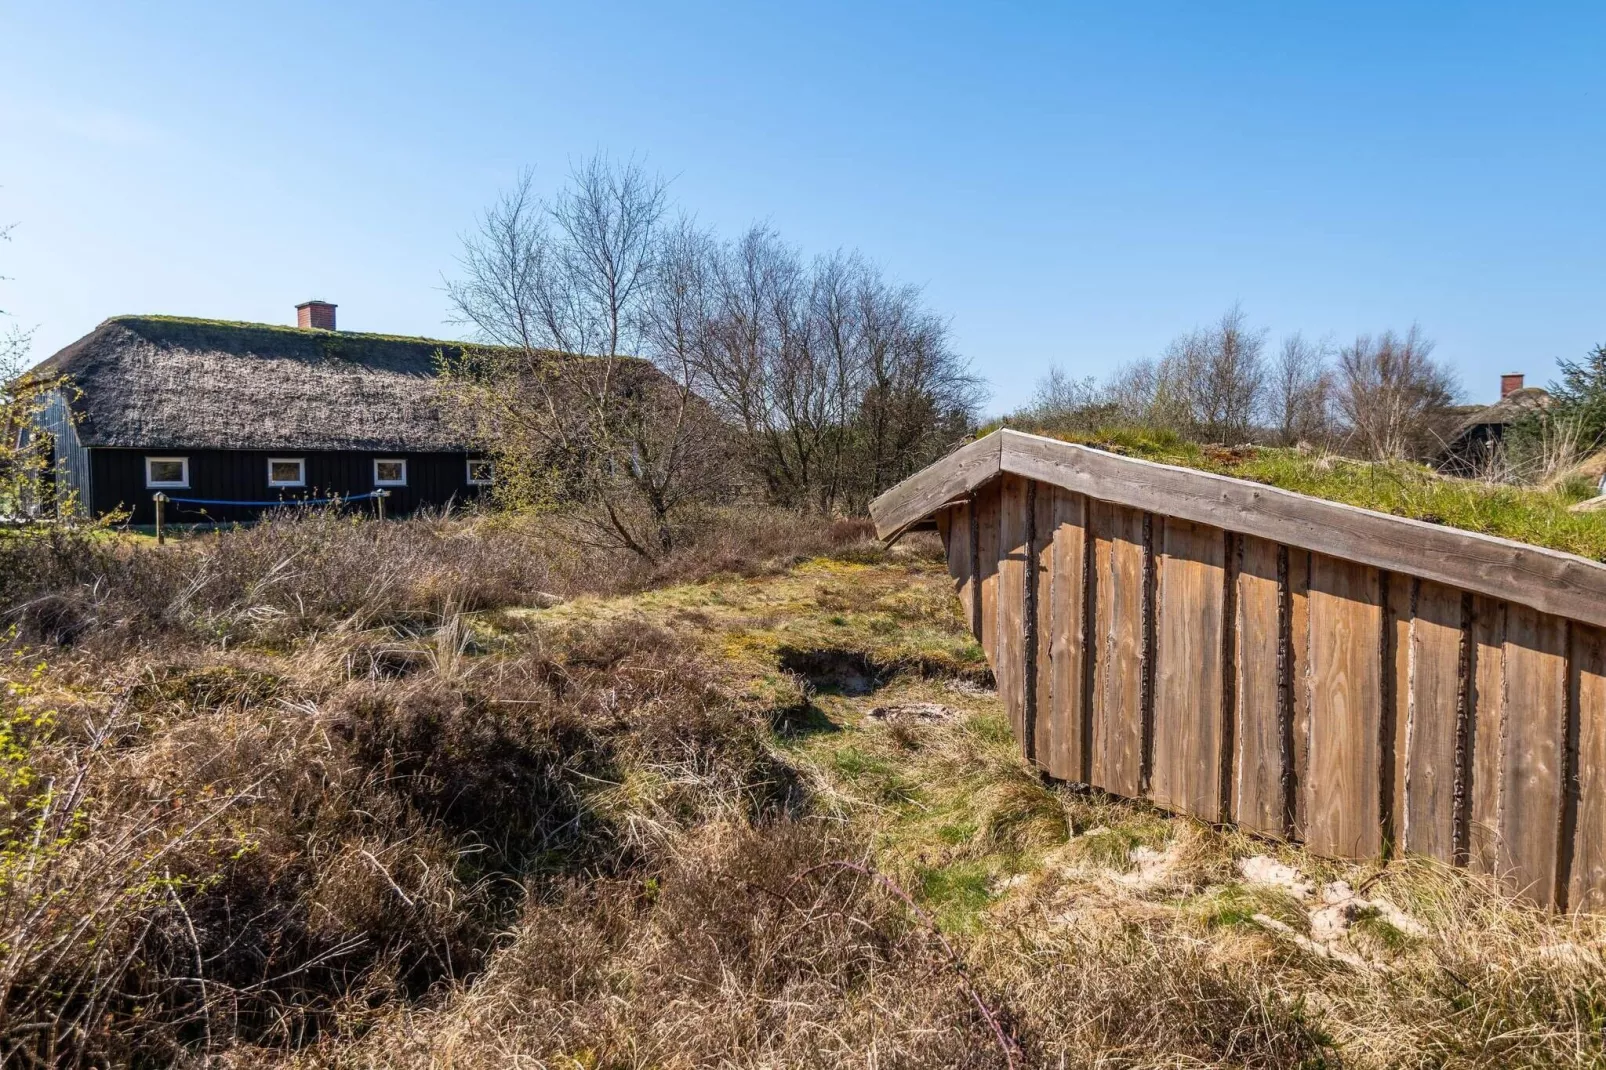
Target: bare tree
<point>1392,394</point>
<point>1061,403</point>
<point>1057,394</point>
<point>841,382</point>
<point>1148,393</point>
<point>1221,373</point>
<point>747,367</point>
<point>919,396</point>
<point>824,380</point>
<point>1209,383</point>
<point>570,295</point>
<point>1299,395</point>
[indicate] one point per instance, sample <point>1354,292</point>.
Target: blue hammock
<point>282,501</point>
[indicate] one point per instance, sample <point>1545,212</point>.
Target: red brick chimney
<point>1509,384</point>
<point>320,315</point>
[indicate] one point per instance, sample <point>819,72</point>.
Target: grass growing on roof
<point>1402,488</point>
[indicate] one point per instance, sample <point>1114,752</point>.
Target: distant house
<point>1477,438</point>
<point>224,417</point>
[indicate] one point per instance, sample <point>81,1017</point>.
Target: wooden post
<point>379,501</point>
<point>159,498</point>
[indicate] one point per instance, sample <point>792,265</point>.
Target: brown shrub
<point>262,798</point>
<point>290,577</point>
<point>732,955</point>
<point>313,848</point>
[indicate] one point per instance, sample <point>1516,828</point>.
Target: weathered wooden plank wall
<point>1120,649</point>
<point>1587,880</point>
<point>1062,733</point>
<point>1189,682</point>
<point>1236,678</point>
<point>1010,666</point>
<point>987,561</point>
<point>1430,664</point>
<point>1264,730</point>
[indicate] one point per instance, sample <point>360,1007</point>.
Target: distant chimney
<point>1509,384</point>
<point>320,315</point>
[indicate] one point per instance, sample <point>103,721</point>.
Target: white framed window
<point>287,472</point>
<point>481,473</point>
<point>390,472</point>
<point>169,472</point>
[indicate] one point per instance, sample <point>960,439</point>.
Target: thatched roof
<point>167,382</point>
<point>1508,410</point>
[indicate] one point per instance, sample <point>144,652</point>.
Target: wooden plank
<point>1548,580</point>
<point>1486,725</point>
<point>1297,677</point>
<point>957,543</point>
<point>1346,711</point>
<point>1061,746</point>
<point>1042,572</point>
<point>1587,880</point>
<point>962,471</point>
<point>1531,755</point>
<point>1399,591</point>
<point>1257,661</point>
<point>987,554</point>
<point>1117,728</point>
<point>1433,690</point>
<point>1188,698</point>
<point>1010,664</point>
<point>1037,521</point>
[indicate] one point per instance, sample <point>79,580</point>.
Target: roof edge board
<point>934,486</point>
<point>1549,580</point>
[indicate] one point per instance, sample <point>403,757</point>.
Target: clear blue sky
<point>1070,183</point>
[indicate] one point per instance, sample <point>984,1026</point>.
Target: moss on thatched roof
<point>175,383</point>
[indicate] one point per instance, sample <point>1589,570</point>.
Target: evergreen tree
<point>1581,395</point>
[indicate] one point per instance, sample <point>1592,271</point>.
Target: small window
<point>167,472</point>
<point>287,472</point>
<point>390,473</point>
<point>481,473</point>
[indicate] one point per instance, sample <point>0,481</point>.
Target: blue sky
<point>1070,183</point>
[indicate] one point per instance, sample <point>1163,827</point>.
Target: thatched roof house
<point>1475,441</point>
<point>204,384</point>
<point>211,412</point>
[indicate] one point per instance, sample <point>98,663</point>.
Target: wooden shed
<point>1361,682</point>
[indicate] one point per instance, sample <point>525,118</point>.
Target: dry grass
<point>322,793</point>
<point>311,844</point>
<point>1112,934</point>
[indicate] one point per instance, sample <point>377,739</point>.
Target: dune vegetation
<point>459,791</point>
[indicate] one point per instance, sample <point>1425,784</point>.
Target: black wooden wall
<point>118,481</point>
